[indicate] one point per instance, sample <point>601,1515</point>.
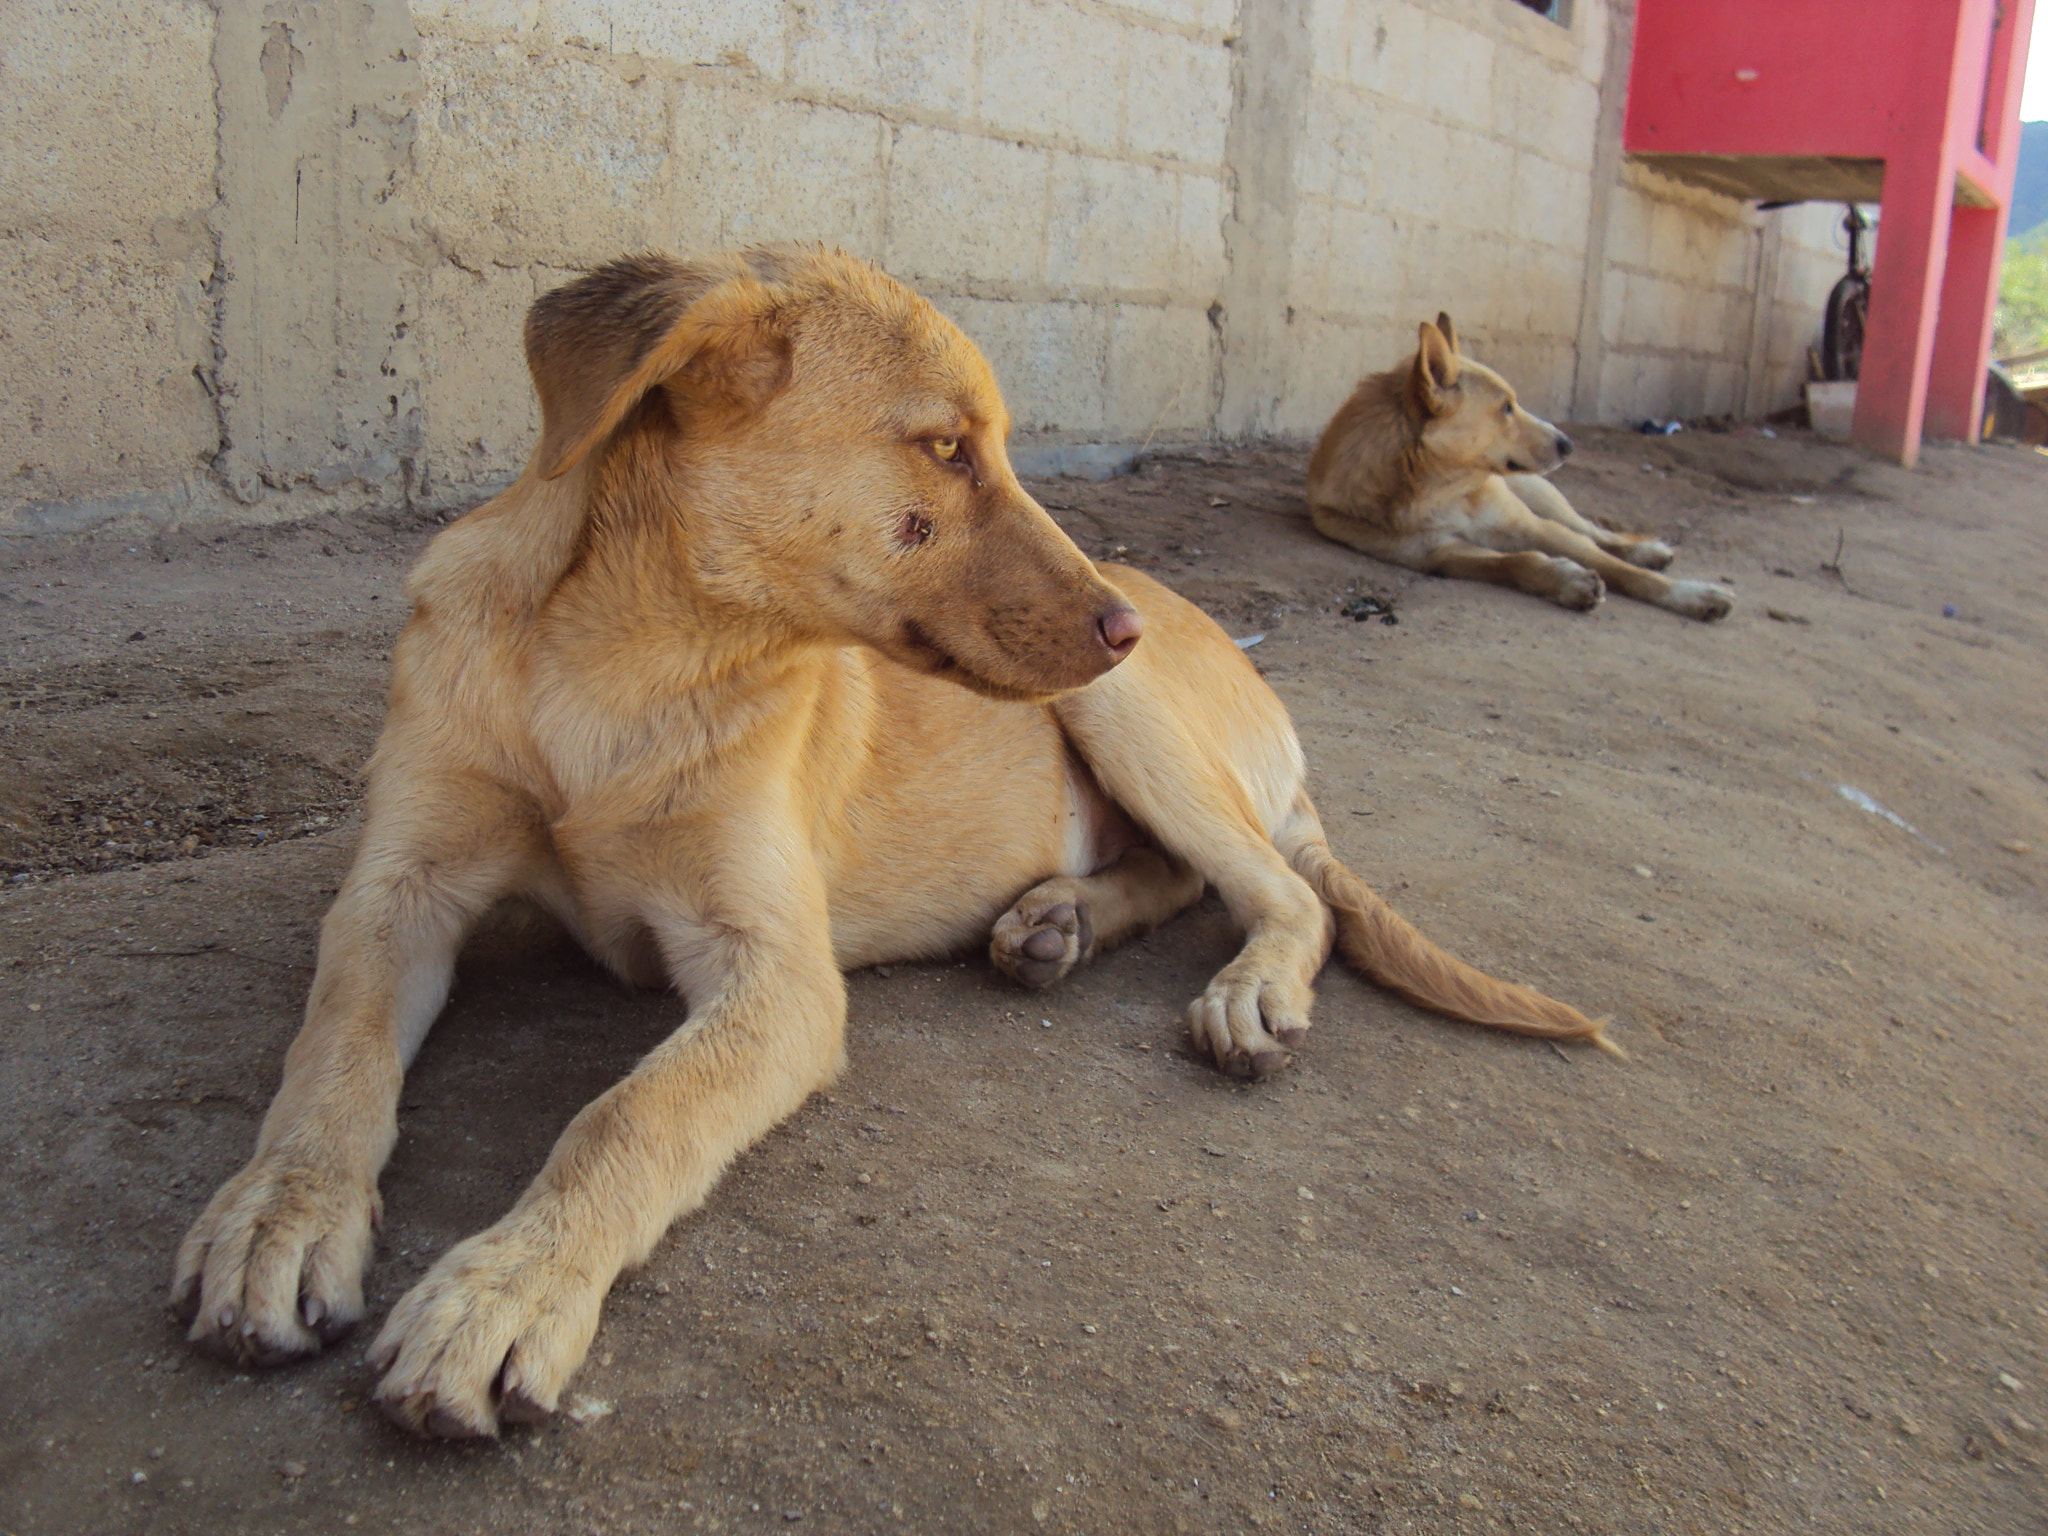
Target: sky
<point>2034,94</point>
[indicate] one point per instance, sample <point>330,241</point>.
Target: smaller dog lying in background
<point>1433,465</point>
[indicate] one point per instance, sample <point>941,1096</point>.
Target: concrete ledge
<point>1075,461</point>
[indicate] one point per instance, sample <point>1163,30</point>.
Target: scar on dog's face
<point>829,425</point>
<point>1472,415</point>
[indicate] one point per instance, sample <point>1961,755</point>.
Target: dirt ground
<point>1031,1267</point>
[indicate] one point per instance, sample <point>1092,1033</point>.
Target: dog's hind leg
<point>273,1267</point>
<point>1504,523</point>
<point>1070,919</point>
<point>1546,500</point>
<point>1190,742</point>
<point>1564,582</point>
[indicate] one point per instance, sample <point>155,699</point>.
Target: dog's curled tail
<point>1377,940</point>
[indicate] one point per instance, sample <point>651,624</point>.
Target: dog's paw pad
<point>1035,946</point>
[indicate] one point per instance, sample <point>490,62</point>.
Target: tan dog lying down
<point>1433,465</point>
<point>766,668</point>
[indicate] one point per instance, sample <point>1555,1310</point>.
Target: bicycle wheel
<point>1841,335</point>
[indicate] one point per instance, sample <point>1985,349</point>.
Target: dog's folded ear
<point>1443,323</point>
<point>597,346</point>
<point>1436,366</point>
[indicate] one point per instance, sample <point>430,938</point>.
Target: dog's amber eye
<point>946,449</point>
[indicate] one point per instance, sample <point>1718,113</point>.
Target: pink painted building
<point>1910,103</point>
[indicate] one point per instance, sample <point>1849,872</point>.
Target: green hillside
<point>2022,321</point>
<point>2030,184</point>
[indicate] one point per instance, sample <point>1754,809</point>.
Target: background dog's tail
<point>1381,943</point>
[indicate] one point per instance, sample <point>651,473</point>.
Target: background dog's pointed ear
<point>599,345</point>
<point>1436,368</point>
<point>1443,323</point>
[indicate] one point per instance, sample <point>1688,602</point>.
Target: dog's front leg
<point>272,1269</point>
<point>499,1325</point>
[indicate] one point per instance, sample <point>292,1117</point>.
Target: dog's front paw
<point>1577,586</point>
<point>1042,938</point>
<point>1248,1021</point>
<point>273,1268</point>
<point>1700,600</point>
<point>494,1331</point>
<point>1651,554</point>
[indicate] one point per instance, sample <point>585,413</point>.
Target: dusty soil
<point>1029,1266</point>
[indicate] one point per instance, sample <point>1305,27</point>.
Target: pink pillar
<point>1905,289</point>
<point>1962,336</point>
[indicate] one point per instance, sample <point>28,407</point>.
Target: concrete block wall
<point>260,260</point>
<point>1049,174</point>
<point>107,144</point>
<point>1708,306</point>
<point>1446,163</point>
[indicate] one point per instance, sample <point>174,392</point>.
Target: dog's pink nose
<point>1120,628</point>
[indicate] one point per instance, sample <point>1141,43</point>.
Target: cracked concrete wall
<point>264,257</point>
<point>107,150</point>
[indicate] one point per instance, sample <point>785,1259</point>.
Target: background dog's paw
<point>494,1331</point>
<point>1577,586</point>
<point>1700,600</point>
<point>1042,938</point>
<point>273,1268</point>
<point>1652,554</point>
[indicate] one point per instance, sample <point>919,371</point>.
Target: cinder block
<point>481,419</point>
<point>475,20</point>
<point>1475,182</point>
<point>1177,97</point>
<point>97,394</point>
<point>1326,359</point>
<point>888,52</point>
<point>1361,264</point>
<point>1203,258</point>
<point>1670,234</point>
<point>965,209</point>
<point>1653,312</point>
<point>1613,304</point>
<point>1382,48</point>
<point>1735,257</point>
<point>1554,281</point>
<point>1112,225</point>
<point>753,168</point>
<point>107,120</point>
<point>1451,269</point>
<point>1332,25</point>
<point>1408,164</point>
<point>1459,79</point>
<point>1552,205</point>
<point>1163,365</point>
<point>1339,140</point>
<point>747,33</point>
<point>1211,15</point>
<point>1722,392</point>
<point>1050,359</point>
<point>538,159</point>
<point>1048,68</point>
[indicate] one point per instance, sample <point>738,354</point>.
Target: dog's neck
<point>1385,407</point>
<point>649,595</point>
